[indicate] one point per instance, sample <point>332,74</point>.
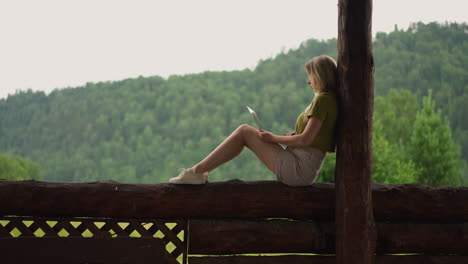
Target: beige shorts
<point>299,166</point>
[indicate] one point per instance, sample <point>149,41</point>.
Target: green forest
<point>142,130</point>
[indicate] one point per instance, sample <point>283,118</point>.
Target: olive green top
<point>324,108</point>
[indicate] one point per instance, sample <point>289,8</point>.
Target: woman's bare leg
<point>233,145</point>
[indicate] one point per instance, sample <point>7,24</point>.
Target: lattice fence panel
<point>172,232</point>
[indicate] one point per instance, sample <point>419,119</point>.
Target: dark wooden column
<point>355,228</point>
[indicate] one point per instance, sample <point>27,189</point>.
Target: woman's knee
<point>244,129</point>
<point>246,133</point>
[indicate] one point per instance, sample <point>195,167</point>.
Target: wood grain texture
<point>225,237</point>
<point>263,260</point>
<point>84,250</point>
<point>355,228</point>
<point>326,260</point>
<point>230,199</point>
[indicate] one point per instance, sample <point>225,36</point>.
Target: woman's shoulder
<point>326,96</point>
<point>328,101</point>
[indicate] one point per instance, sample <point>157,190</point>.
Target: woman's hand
<point>292,139</point>
<point>265,136</point>
<point>290,134</point>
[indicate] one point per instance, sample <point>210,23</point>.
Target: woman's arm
<point>302,140</point>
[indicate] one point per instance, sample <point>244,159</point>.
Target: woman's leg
<point>232,146</point>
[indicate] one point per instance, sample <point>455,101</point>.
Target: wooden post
<point>355,228</point>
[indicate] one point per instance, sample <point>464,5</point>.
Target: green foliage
<point>389,162</point>
<point>428,57</point>
<point>144,129</point>
<point>327,172</point>
<point>433,148</point>
<point>17,168</point>
<point>396,114</point>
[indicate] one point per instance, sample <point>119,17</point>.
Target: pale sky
<point>50,44</point>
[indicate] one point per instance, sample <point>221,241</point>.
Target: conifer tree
<point>433,149</point>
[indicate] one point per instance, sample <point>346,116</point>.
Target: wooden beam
<point>355,229</point>
<point>427,238</point>
<point>234,199</point>
<point>226,237</point>
<point>84,250</point>
<point>298,259</point>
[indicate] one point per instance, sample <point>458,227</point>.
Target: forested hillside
<point>144,129</point>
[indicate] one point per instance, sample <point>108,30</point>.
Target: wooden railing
<point>91,240</point>
<point>223,222</point>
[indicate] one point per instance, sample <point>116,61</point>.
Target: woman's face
<point>311,82</point>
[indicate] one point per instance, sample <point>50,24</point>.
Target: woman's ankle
<point>195,169</point>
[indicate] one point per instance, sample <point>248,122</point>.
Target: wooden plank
<point>224,237</point>
<point>428,238</point>
<point>423,259</point>
<point>84,250</point>
<point>292,259</point>
<point>234,199</point>
<point>355,228</point>
<point>326,260</point>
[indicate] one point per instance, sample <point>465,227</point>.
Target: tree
<point>396,113</point>
<point>17,168</point>
<point>390,166</point>
<point>148,127</point>
<point>433,149</point>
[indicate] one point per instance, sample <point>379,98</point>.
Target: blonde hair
<point>323,70</point>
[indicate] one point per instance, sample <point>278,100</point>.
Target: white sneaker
<point>186,176</point>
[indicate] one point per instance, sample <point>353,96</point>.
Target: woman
<point>314,136</point>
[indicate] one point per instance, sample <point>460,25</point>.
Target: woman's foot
<point>186,176</point>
